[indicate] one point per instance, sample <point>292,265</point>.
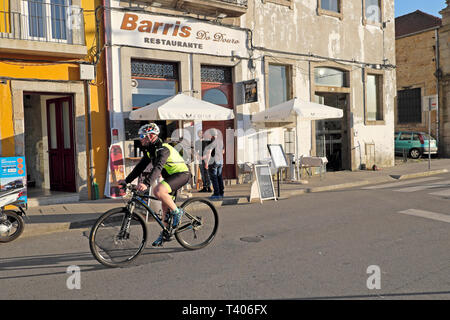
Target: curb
<point>43,228</point>
<point>419,174</point>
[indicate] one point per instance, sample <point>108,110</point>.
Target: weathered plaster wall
<point>302,30</point>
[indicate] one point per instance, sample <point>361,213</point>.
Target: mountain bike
<point>120,234</point>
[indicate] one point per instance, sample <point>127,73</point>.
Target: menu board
<point>278,156</point>
<point>13,175</point>
<point>264,181</point>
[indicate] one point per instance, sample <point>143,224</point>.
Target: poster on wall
<point>13,175</point>
<point>250,91</point>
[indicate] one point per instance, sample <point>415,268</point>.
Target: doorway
<point>332,140</point>
<point>217,88</point>
<point>61,149</point>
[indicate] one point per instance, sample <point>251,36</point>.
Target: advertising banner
<point>13,175</point>
<point>115,173</point>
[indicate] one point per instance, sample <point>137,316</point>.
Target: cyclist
<point>166,162</point>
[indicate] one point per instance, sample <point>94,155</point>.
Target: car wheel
<point>415,153</point>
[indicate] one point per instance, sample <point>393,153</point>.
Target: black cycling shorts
<point>176,181</point>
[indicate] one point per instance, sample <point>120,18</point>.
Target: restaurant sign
<point>176,34</point>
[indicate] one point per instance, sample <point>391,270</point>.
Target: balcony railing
<point>45,22</point>
<point>243,3</point>
<point>229,8</point>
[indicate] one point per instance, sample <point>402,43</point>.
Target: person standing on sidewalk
<point>200,146</point>
<point>214,163</point>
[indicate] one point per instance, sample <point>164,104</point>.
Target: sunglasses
<point>142,136</point>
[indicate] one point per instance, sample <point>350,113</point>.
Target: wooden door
<point>61,148</point>
<point>222,94</point>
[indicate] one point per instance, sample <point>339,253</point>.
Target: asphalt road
<point>374,242</point>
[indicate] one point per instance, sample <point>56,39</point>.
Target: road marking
<point>443,193</point>
<point>423,187</point>
<point>395,184</point>
<point>427,215</point>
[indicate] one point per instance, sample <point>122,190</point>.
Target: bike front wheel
<point>199,224</point>
<point>112,242</point>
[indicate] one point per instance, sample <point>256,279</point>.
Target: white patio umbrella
<point>287,113</point>
<point>182,107</point>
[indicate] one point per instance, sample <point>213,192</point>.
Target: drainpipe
<point>94,186</point>
<point>107,74</point>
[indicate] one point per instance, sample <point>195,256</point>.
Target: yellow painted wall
<point>4,16</point>
<point>99,114</point>
<point>65,72</point>
<point>6,121</point>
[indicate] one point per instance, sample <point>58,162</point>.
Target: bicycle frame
<point>139,198</point>
<point>141,201</point>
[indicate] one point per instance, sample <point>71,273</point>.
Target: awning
<point>182,107</point>
<point>288,112</point>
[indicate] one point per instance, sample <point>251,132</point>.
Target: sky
<point>429,6</point>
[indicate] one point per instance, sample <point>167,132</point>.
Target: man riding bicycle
<point>166,162</point>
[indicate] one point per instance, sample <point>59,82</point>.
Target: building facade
<point>339,53</point>
<point>417,45</point>
<point>52,105</point>
<point>444,83</point>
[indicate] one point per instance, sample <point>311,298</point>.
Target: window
<point>47,19</point>
<point>278,84</point>
<point>330,77</point>
<point>216,74</point>
<point>409,106</point>
<point>330,8</point>
<point>152,81</point>
<point>331,5</point>
<point>374,101</point>
<point>373,10</point>
<point>215,96</point>
<point>287,3</point>
<point>405,136</point>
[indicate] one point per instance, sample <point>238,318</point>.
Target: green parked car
<point>415,144</point>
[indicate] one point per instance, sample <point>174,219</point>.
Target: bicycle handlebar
<point>133,189</point>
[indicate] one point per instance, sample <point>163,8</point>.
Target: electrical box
<point>87,72</point>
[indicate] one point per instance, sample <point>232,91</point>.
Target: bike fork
<point>126,222</point>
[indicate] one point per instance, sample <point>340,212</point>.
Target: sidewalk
<point>78,215</point>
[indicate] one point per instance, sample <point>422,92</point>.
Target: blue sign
<point>13,175</point>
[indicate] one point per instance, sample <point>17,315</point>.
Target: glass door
<point>331,134</point>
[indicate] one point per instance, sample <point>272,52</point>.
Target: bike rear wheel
<point>199,224</point>
<point>14,224</point>
<point>113,247</point>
